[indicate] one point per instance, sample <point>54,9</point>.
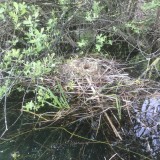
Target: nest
<point>100,95</point>
<point>93,80</point>
<point>92,71</point>
<point>97,90</point>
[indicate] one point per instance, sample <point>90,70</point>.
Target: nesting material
<point>100,93</point>
<point>89,75</point>
<point>94,87</point>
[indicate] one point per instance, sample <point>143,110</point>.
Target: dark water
<point>27,139</point>
<point>55,144</point>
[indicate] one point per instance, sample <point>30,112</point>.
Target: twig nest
<point>95,72</point>
<point>84,66</point>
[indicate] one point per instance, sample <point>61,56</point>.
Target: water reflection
<point>147,126</point>
<point>54,143</point>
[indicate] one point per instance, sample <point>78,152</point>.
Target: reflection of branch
<point>5,117</point>
<point>21,107</point>
<point>5,107</point>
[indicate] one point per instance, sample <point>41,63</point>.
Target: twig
<point>113,127</point>
<point>5,117</point>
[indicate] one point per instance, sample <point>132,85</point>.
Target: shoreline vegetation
<point>78,69</point>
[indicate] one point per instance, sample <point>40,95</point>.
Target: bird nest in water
<point>98,91</point>
<point>92,81</point>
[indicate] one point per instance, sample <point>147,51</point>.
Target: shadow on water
<point>27,139</point>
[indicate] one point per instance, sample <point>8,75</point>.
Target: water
<point>53,144</point>
<point>56,143</point>
<point>28,139</point>
<point>147,125</point>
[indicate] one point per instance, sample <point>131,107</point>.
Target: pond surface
<point>56,144</point>
<point>147,125</point>
<point>29,140</point>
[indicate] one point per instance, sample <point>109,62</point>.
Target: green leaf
<point>2,10</point>
<point>110,42</point>
<point>29,106</point>
<point>15,4</point>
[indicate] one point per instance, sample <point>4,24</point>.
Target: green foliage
<point>133,27</point>
<point>29,42</point>
<point>64,4</point>
<point>17,11</point>
<point>2,10</point>
<point>30,106</point>
<point>25,19</point>
<point>86,39</point>
<point>143,25</point>
<point>100,40</point>
<point>82,43</point>
<point>52,22</point>
<point>151,5</point>
<point>26,22</point>
<point>11,56</point>
<point>5,88</point>
<point>94,13</point>
<point>15,155</point>
<point>2,91</point>
<point>35,69</point>
<point>46,96</point>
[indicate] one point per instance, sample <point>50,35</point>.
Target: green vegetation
<point>55,56</point>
